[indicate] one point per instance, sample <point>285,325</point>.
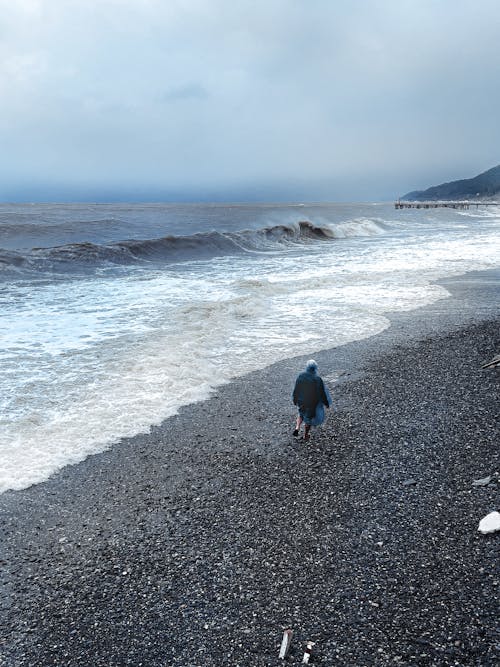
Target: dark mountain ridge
<point>486,184</point>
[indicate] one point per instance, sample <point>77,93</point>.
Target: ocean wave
<point>360,227</point>
<point>173,249</point>
<point>24,223</point>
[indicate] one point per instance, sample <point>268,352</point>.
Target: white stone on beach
<point>490,523</point>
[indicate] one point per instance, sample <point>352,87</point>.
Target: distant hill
<point>484,185</point>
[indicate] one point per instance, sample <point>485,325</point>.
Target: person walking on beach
<point>311,396</point>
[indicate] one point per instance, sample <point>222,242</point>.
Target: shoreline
<point>348,352</point>
<point>153,538</point>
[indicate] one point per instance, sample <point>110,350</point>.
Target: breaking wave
<point>173,249</point>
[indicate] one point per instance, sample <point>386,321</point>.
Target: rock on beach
<point>490,523</point>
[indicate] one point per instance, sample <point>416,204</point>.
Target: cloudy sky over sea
<point>245,100</point>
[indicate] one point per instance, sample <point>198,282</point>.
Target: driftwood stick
<point>286,643</point>
<point>494,362</point>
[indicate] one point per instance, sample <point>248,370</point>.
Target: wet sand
<point>198,543</point>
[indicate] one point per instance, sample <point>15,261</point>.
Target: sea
<point>113,316</point>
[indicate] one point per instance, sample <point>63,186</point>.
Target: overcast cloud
<point>236,99</point>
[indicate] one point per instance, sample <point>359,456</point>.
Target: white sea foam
<point>358,227</point>
<point>89,361</point>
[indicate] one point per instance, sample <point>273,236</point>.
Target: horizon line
<point>254,202</point>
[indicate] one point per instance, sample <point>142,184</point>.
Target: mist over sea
<point>113,316</point>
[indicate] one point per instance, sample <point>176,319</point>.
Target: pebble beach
<point>199,543</point>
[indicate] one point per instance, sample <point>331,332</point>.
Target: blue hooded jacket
<point>311,396</point>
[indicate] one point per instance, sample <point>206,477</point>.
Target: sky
<point>245,100</point>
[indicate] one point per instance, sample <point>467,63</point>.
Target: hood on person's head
<point>311,366</point>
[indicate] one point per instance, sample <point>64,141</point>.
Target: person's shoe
<point>307,435</point>
<point>296,433</point>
